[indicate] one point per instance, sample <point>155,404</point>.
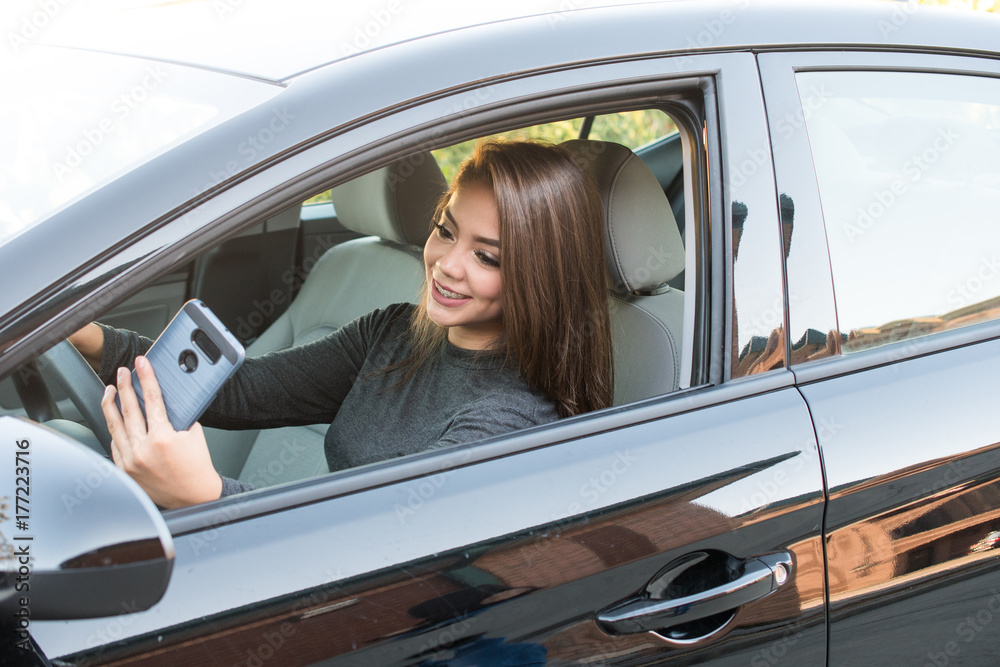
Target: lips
<point>445,296</point>
<point>448,293</point>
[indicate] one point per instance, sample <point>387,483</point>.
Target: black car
<point>800,467</point>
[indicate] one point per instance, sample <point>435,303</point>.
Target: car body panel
<point>517,521</point>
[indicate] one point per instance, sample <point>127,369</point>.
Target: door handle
<point>760,577</point>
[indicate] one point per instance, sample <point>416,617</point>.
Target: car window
<point>70,137</point>
<point>251,279</point>
<point>632,129</point>
<point>910,189</point>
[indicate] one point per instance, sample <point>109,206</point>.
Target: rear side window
<point>910,186</point>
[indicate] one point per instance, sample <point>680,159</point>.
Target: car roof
<point>277,41</point>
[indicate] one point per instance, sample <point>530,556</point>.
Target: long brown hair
<point>555,315</point>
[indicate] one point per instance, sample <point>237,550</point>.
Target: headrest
<point>643,246</point>
<point>395,202</point>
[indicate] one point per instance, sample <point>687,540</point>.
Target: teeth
<point>449,294</point>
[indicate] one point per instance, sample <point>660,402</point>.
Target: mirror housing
<point>78,537</point>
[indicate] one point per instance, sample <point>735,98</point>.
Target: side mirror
<point>78,537</point>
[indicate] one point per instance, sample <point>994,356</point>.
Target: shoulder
<point>391,315</point>
<point>393,319</point>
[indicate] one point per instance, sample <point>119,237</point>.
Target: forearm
<point>89,342</point>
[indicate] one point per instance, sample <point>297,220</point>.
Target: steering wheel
<point>65,367</point>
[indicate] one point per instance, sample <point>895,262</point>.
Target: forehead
<point>473,203</point>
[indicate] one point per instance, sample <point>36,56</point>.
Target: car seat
<point>394,206</point>
<point>644,251</point>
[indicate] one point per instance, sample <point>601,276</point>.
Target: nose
<point>450,263</point>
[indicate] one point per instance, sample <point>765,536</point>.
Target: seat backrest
<point>644,251</point>
<point>395,206</point>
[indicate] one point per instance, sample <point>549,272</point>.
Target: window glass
<point>632,128</point>
<point>910,189</point>
<point>629,128</point>
<point>75,123</point>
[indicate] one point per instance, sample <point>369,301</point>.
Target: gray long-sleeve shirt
<point>458,397</point>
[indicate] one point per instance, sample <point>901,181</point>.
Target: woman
<point>511,331</point>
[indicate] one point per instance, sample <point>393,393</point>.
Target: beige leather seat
<point>644,252</point>
<point>395,206</point>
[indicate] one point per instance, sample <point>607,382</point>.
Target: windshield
<point>71,121</point>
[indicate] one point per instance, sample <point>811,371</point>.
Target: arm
<point>89,342</point>
<point>302,385</point>
<point>298,386</point>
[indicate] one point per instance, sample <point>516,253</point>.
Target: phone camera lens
<point>205,344</point>
<point>188,361</point>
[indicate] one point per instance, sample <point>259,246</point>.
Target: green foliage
<point>630,128</point>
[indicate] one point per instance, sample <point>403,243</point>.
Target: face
<point>462,260</point>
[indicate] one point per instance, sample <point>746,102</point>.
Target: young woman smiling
<point>511,331</point>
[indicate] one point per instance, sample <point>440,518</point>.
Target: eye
<point>488,259</point>
<point>443,232</point>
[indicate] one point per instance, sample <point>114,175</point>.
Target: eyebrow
<point>478,239</point>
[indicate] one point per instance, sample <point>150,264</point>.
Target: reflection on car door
<point>517,556</point>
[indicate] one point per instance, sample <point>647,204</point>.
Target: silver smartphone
<point>192,359</point>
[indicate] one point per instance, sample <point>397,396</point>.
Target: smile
<point>447,293</point>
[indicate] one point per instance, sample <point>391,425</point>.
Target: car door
<point>902,363</point>
<point>585,540</point>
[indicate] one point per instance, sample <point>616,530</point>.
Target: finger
<point>156,411</point>
<point>116,455</point>
<point>134,423</point>
<point>119,440</point>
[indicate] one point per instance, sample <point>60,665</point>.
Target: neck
<point>474,339</point>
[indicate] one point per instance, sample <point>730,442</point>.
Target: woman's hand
<point>89,342</point>
<point>173,467</point>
